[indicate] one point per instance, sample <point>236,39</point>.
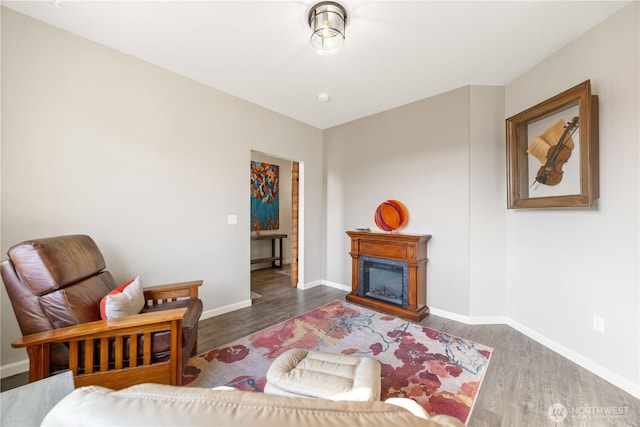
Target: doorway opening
<point>275,248</point>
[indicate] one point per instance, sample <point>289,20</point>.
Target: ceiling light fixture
<point>327,20</point>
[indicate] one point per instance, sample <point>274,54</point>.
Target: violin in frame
<point>520,175</point>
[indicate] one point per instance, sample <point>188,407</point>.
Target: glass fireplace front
<point>384,279</point>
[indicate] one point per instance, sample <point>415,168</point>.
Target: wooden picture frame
<point>551,122</point>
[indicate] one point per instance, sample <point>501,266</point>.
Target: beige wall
<point>487,202</point>
<point>437,156</point>
<point>147,162</point>
<point>564,266</point>
<point>545,272</point>
<point>150,163</point>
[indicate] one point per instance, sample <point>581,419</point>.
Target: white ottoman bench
<point>314,374</point>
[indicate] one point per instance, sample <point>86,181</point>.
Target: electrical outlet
<point>598,324</point>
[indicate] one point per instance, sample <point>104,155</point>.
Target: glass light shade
<point>327,21</point>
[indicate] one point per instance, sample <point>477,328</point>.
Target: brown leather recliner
<point>55,286</point>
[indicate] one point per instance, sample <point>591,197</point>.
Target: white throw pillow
<point>125,300</point>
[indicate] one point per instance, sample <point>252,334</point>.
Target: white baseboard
<point>604,373</point>
<point>469,320</point>
<point>14,368</point>
<point>325,283</point>
<point>305,286</point>
<point>226,309</point>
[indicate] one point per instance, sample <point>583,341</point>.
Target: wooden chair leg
<point>38,362</point>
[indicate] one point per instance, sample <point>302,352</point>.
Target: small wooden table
<point>273,258</point>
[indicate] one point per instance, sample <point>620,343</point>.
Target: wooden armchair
<point>55,286</point>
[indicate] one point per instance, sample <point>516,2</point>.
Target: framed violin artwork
<point>552,152</point>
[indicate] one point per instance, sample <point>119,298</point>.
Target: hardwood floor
<point>278,301</point>
<point>524,378</point>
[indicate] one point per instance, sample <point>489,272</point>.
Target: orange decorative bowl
<point>391,215</point>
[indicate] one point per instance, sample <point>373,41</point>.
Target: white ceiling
<point>395,52</point>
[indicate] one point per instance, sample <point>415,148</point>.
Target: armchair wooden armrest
<point>172,291</point>
<point>99,328</point>
<point>114,371</point>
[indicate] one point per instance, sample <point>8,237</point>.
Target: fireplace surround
<point>389,272</point>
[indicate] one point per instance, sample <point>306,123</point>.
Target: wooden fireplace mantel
<point>408,248</point>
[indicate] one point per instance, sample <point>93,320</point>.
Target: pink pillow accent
<point>125,300</point>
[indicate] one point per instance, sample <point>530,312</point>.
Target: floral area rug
<point>441,372</point>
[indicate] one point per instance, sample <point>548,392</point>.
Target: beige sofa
<point>164,405</point>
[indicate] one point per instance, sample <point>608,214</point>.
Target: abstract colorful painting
<point>265,201</point>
